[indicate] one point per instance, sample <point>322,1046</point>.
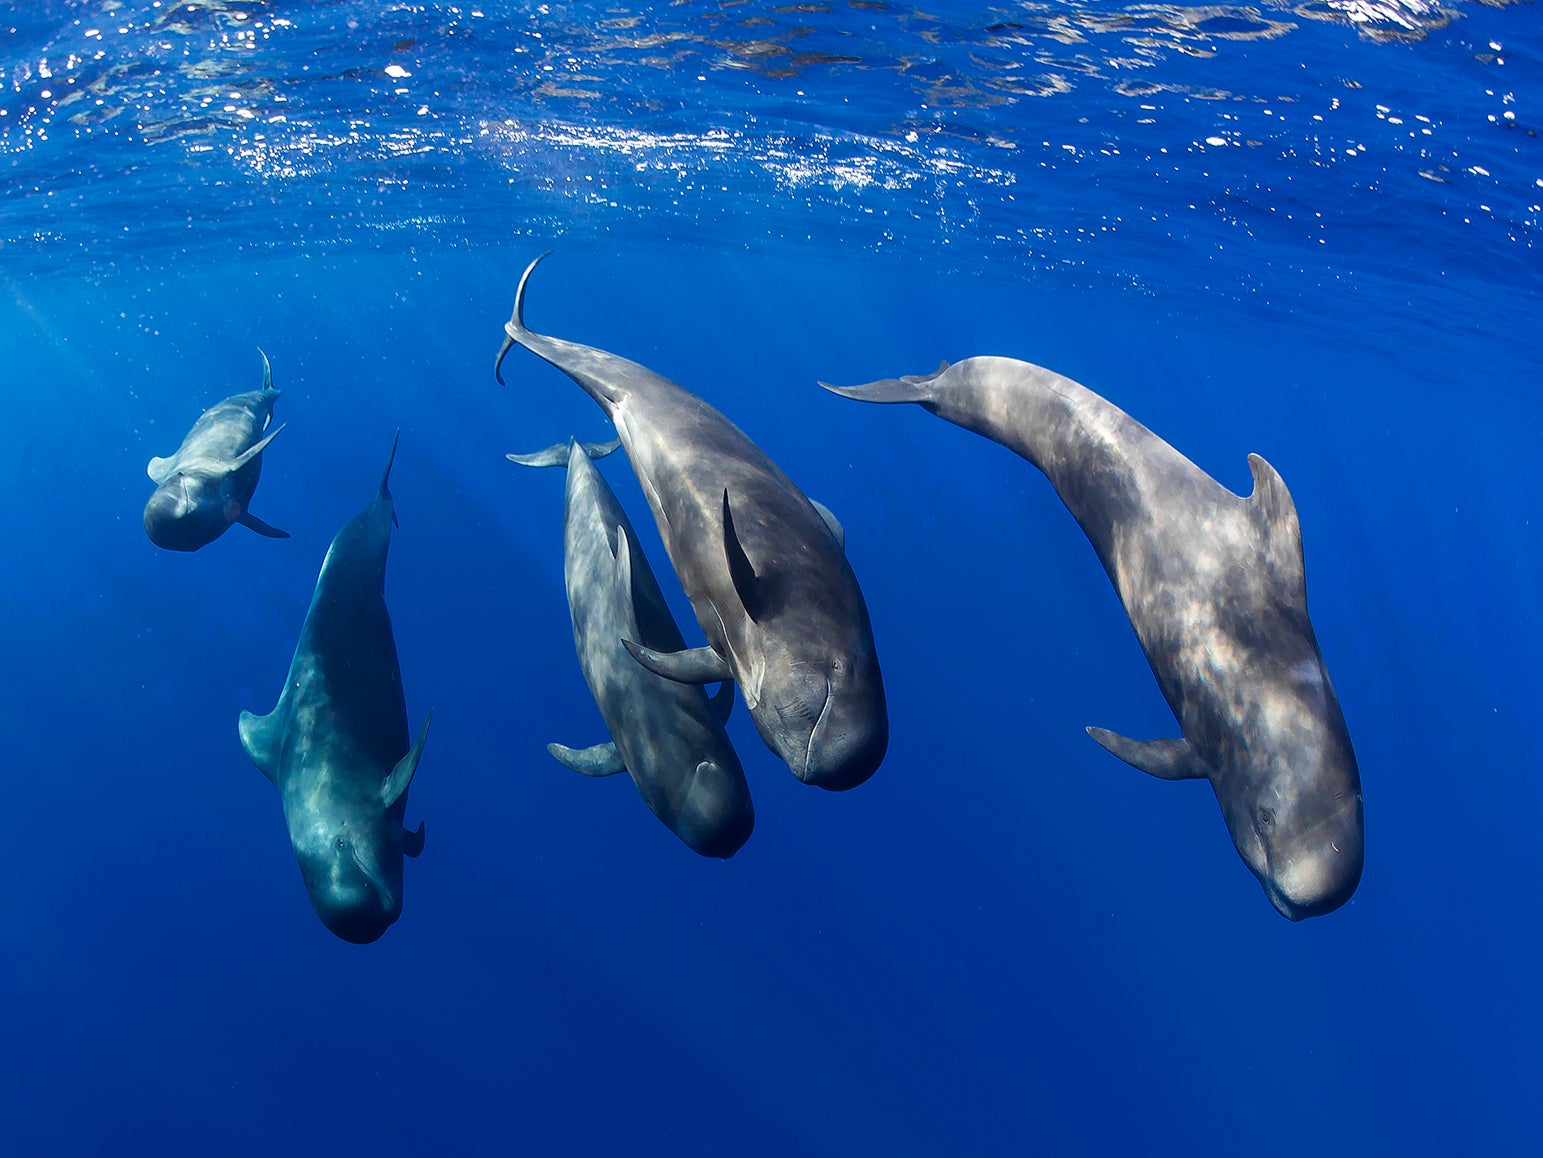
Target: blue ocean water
<point>1309,231</point>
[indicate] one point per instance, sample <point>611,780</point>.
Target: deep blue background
<point>1007,941</point>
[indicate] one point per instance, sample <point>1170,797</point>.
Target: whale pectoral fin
<point>261,736</point>
<point>1165,759</point>
<point>723,701</point>
<point>252,522</point>
<point>596,760</point>
<point>392,787</point>
<point>412,842</point>
<point>1276,515</point>
<point>696,665</point>
<point>254,450</point>
<point>832,522</point>
<point>746,584</point>
<point>159,470</point>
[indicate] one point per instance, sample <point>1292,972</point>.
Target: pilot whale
<point>336,743</point>
<point>666,735</point>
<point>1215,587</point>
<point>208,483</point>
<point>765,568</point>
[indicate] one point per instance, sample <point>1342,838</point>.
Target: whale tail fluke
<point>557,453</point>
<point>514,328</point>
<point>911,388</point>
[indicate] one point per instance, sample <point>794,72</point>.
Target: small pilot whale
<point>765,568</point>
<point>1215,587</point>
<point>666,735</point>
<point>336,743</point>
<point>208,483</point>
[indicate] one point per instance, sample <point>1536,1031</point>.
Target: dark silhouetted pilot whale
<point>336,743</point>
<point>1215,588</point>
<point>207,484</point>
<point>765,569</point>
<point>667,735</point>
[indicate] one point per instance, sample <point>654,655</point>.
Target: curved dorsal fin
<point>1275,516</point>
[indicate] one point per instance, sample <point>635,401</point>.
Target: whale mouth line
<point>814,731</point>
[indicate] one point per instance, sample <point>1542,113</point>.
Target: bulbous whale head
<point>189,511</point>
<point>717,815</point>
<point>349,890</point>
<point>829,720</point>
<point>1301,831</point>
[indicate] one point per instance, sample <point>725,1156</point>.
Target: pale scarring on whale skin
<point>207,485</point>
<point>1215,588</point>
<point>666,735</point>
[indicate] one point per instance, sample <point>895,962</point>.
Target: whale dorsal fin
<point>626,601</point>
<point>254,450</point>
<point>596,760</point>
<point>1280,530</point>
<point>741,571</point>
<point>1165,759</point>
<point>412,842</point>
<point>392,787</point>
<point>832,522</point>
<point>261,736</point>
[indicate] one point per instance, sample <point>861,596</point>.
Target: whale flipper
<point>596,760</point>
<point>696,665</point>
<point>392,787</point>
<point>412,842</point>
<point>252,522</point>
<point>260,736</point>
<point>159,470</point>
<point>1165,759</point>
<point>831,521</point>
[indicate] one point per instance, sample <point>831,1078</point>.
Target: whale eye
<point>341,842</point>
<point>1266,820</point>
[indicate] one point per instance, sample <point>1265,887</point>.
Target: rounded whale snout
<point>178,517</point>
<point>718,816</point>
<point>357,915</point>
<point>847,740</point>
<point>1320,871</point>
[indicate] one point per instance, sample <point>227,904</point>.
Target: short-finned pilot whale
<point>668,736</point>
<point>336,743</point>
<point>764,567</point>
<point>208,483</point>
<point>1215,587</point>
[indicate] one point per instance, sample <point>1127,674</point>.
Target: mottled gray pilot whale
<point>765,569</point>
<point>336,743</point>
<point>208,483</point>
<point>1215,588</point>
<point>666,735</point>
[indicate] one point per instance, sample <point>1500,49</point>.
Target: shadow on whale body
<point>764,567</point>
<point>207,485</point>
<point>1215,588</point>
<point>336,744</point>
